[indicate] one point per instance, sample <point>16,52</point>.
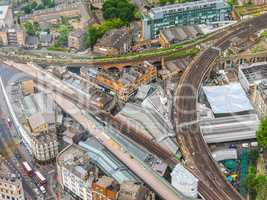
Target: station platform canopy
<point>229,98</point>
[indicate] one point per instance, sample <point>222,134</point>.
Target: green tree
<point>261,134</point>
<point>31,28</point>
<point>94,32</point>
<point>27,9</point>
<point>48,3</point>
<point>122,9</point>
<point>110,13</point>
<point>62,39</point>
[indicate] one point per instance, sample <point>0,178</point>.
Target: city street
<point>18,151</point>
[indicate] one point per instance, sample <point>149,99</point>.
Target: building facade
<point>197,12</point>
<point>45,147</point>
<point>10,183</point>
<point>12,37</point>
<point>75,172</point>
<point>114,42</point>
<point>128,82</point>
<point>76,40</point>
<point>6,17</point>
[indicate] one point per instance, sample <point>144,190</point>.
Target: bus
<point>40,179</point>
<point>27,168</point>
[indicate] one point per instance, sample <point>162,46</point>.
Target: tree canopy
<point>261,134</point>
<point>31,28</point>
<point>32,6</point>
<point>121,9</point>
<point>62,39</point>
<point>97,31</point>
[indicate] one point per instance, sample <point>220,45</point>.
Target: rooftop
<point>106,161</point>
<point>76,160</point>
<point>78,33</point>
<point>225,99</point>
<point>177,7</point>
<point>255,72</point>
<point>38,102</point>
<point>39,119</point>
<point>6,173</point>
<point>150,124</point>
<point>115,38</point>
<point>181,33</point>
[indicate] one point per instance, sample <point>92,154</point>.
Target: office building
<point>196,12</point>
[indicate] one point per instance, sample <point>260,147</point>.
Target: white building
<point>184,181</point>
<point>6,17</point>
<point>75,171</point>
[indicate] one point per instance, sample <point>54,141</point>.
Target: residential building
<point>31,42</point>
<point>76,39</point>
<point>6,17</point>
<point>196,12</point>
<point>125,83</point>
<point>114,42</point>
<point>178,34</point>
<point>14,36</point>
<point>49,16</point>
<point>10,183</point>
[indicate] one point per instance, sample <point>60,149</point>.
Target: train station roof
<point>229,98</point>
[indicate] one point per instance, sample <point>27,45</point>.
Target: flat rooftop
<point>177,7</point>
<point>225,99</point>
<point>230,128</point>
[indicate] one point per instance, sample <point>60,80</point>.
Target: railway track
<point>213,185</point>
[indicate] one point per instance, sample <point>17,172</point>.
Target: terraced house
<point>197,12</point>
